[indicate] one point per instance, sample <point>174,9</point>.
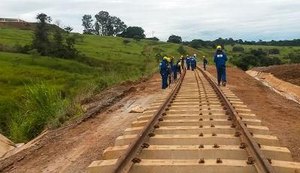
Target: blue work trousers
<point>221,73</point>
<point>164,78</point>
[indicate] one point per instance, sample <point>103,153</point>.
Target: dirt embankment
<point>73,148</point>
<point>281,115</point>
<point>286,89</point>
<point>289,72</point>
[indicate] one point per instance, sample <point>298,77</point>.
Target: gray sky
<point>191,19</point>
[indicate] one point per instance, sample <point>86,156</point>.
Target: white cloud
<point>206,19</point>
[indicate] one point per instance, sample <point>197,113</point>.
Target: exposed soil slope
<point>289,73</point>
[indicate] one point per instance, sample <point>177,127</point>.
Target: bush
<point>181,50</point>
<point>42,106</point>
<point>125,41</point>
<point>153,39</point>
<point>254,58</point>
<point>274,51</point>
<point>294,57</point>
<point>238,49</point>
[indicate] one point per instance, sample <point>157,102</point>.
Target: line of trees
<point>106,25</point>
<point>198,43</point>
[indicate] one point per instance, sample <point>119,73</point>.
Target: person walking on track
<point>220,59</point>
<point>193,62</point>
<point>188,62</point>
<point>205,62</point>
<point>164,71</point>
<point>182,59</point>
<point>175,69</point>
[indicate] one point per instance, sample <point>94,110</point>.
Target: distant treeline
<point>198,43</point>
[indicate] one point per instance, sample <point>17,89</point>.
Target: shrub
<point>274,51</point>
<point>238,49</point>
<point>181,50</point>
<point>126,41</point>
<point>254,58</point>
<point>294,57</point>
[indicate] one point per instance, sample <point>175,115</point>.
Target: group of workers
<point>169,68</point>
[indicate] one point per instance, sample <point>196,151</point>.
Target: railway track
<point>196,127</point>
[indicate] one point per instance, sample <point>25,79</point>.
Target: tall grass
<point>42,106</point>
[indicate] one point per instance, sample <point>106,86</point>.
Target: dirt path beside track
<point>282,116</point>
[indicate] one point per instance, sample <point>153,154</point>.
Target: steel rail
<point>260,161</point>
<point>125,162</point>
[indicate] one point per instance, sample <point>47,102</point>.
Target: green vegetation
<point>174,39</point>
<point>248,56</point>
<point>40,91</point>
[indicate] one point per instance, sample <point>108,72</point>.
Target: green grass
<point>31,85</point>
<point>13,36</point>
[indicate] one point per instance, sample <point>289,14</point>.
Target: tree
<point>57,46</point>
<point>102,19</point>
<point>107,25</point>
<point>197,43</point>
<point>115,26</point>
<point>68,29</point>
<point>153,38</point>
<point>41,41</point>
<point>87,24</point>
<point>174,39</point>
<point>133,32</point>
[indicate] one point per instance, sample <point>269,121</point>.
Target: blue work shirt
<point>220,59</point>
<point>164,67</point>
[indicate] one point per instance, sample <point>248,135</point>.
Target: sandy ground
<point>282,116</point>
<point>73,148</point>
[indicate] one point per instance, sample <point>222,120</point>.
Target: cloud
<point>204,19</point>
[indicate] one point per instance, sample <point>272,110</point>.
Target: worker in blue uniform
<point>164,71</point>
<point>193,62</point>
<point>205,62</point>
<point>188,62</point>
<point>175,70</point>
<point>220,59</point>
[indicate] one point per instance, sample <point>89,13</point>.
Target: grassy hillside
<point>38,91</point>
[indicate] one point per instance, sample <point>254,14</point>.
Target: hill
<point>25,78</point>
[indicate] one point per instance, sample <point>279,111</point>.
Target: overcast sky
<point>191,19</point>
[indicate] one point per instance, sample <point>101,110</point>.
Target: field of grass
<point>37,91</point>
